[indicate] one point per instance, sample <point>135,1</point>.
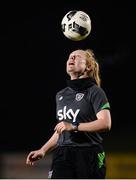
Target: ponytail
<point>95,71</point>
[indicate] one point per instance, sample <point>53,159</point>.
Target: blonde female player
<point>83,112</point>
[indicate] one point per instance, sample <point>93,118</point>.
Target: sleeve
<point>99,99</point>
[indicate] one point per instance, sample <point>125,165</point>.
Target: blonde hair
<point>91,61</point>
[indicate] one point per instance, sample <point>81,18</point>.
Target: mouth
<point>71,64</point>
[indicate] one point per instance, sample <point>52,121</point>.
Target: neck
<point>81,84</point>
<point>78,76</point>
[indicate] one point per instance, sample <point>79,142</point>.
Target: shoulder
<point>94,90</point>
<point>99,98</point>
<point>62,91</point>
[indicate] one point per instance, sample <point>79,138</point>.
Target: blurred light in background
<point>119,165</point>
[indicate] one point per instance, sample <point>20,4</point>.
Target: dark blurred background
<point>35,50</point>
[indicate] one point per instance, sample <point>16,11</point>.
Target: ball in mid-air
<point>76,25</point>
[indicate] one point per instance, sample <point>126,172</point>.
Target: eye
<point>78,56</point>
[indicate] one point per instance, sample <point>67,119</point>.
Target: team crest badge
<point>79,96</point>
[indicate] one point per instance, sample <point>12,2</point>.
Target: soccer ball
<point>76,25</point>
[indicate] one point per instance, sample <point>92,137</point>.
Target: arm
<point>51,143</point>
<point>38,154</point>
<point>102,123</point>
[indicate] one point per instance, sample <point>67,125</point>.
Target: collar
<point>81,84</point>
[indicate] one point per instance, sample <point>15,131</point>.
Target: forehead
<point>78,52</point>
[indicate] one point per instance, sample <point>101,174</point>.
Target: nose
<point>72,57</point>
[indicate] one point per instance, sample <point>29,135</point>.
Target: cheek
<point>81,66</point>
<point>66,65</point>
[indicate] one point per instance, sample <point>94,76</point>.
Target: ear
<point>88,68</point>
